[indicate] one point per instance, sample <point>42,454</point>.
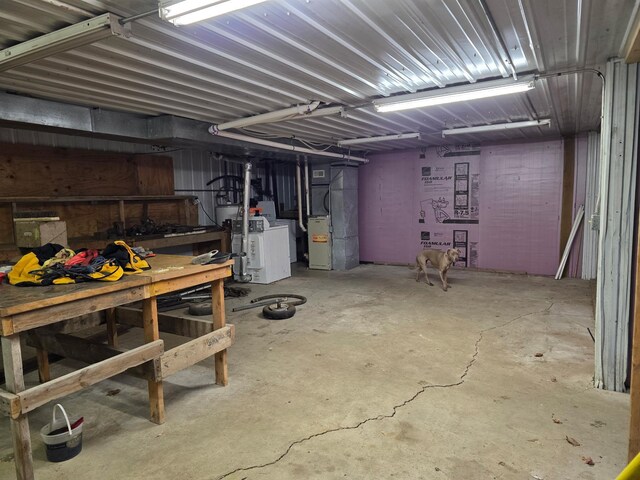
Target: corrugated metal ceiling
<point>284,52</point>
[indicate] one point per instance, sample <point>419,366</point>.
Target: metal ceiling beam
<point>45,115</point>
<point>73,36</point>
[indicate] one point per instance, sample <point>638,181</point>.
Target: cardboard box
<point>31,234</point>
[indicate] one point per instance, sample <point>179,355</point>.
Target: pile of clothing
<point>53,264</point>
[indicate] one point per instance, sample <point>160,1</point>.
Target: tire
<point>199,309</point>
<point>284,311</point>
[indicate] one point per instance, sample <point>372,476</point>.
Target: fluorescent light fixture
<point>383,138</point>
<point>73,36</point>
<point>463,93</point>
<point>192,11</point>
<point>298,112</point>
<point>497,127</point>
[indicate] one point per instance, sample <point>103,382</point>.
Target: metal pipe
<point>244,277</point>
<point>283,146</point>
<point>299,189</point>
<point>306,186</point>
<point>133,18</point>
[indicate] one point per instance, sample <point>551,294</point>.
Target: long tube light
<point>284,146</point>
<point>269,116</point>
<point>73,36</point>
<point>461,93</point>
<point>383,138</point>
<point>497,127</point>
<point>192,11</point>
<point>292,113</point>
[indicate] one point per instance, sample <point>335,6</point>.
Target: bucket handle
<point>53,420</point>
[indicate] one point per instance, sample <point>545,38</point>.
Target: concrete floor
<point>377,376</point>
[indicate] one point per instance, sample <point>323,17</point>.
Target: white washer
<point>268,253</point>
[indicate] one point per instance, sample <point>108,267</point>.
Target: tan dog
<point>440,260</point>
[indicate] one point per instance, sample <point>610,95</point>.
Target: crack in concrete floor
<point>395,408</point>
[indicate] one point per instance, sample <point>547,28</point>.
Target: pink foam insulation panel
<point>499,204</point>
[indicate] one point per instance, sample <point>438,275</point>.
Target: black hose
<point>324,201</point>
<point>237,178</point>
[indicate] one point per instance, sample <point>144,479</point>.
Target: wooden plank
<point>566,215</point>
<point>85,350</point>
<point>10,404</point>
<point>197,350</point>
<point>121,214</point>
<point>18,300</point>
<point>632,46</point>
<point>225,245</point>
<point>174,267</point>
<point>21,437</point>
<point>96,198</point>
<point>208,240</point>
<point>41,170</point>
<point>151,334</point>
<point>44,372</point>
<point>75,381</point>
<point>59,172</point>
<point>634,408</point>
<point>112,327</point>
<point>195,278</point>
<point>187,212</point>
<point>6,224</point>
<point>178,240</point>
<point>154,174</point>
<point>167,323</point>
<point>12,363</point>
<point>219,322</point>
<point>47,316</point>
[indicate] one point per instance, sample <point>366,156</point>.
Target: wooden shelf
<point>202,242</point>
<point>110,199</point>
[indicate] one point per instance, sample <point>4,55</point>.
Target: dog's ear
<point>451,251</point>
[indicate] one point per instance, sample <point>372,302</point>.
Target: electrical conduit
<point>299,189</point>
<point>306,186</point>
<point>244,276</point>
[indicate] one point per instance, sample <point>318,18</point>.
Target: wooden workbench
<point>23,310</point>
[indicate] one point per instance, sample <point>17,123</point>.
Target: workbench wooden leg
<point>12,361</point>
<point>43,365</point>
<point>152,333</point>
<point>219,321</point>
<point>112,327</point>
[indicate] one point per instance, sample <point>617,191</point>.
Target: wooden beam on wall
<point>566,215</point>
<point>631,53</point>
